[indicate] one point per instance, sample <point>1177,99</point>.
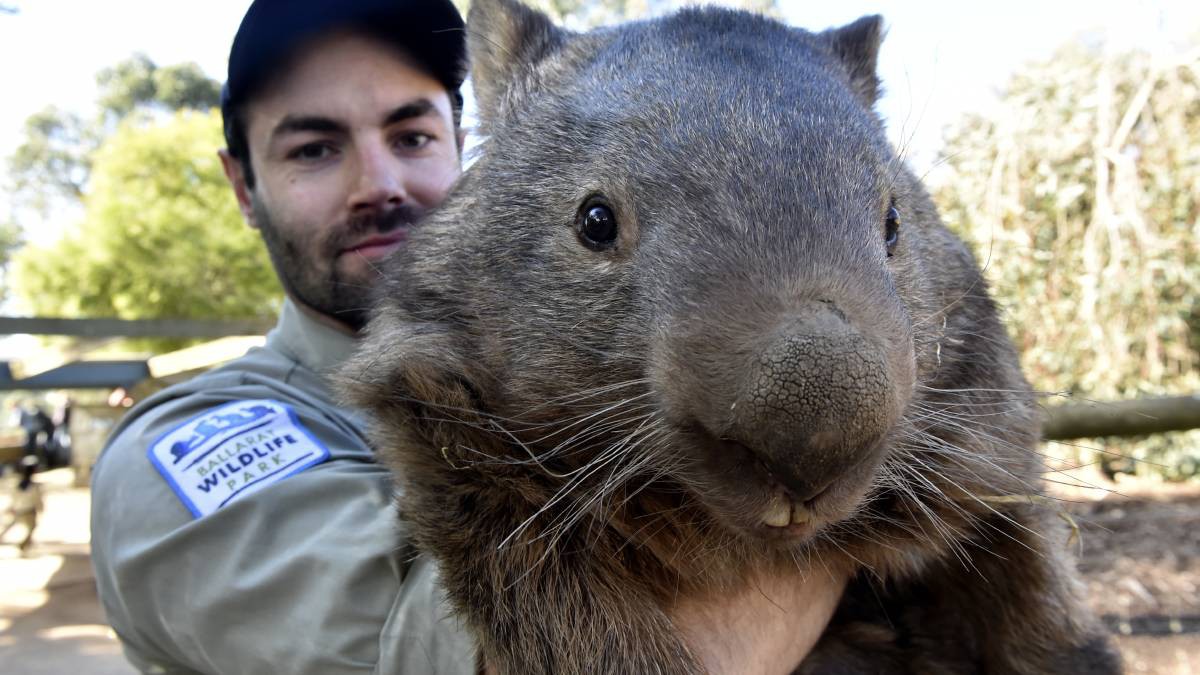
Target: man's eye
<point>311,152</point>
<point>413,140</point>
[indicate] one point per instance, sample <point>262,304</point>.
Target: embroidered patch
<point>234,450</point>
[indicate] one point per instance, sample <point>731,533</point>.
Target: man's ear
<point>237,180</point>
<point>506,41</point>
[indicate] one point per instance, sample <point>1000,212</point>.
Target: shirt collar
<point>316,346</point>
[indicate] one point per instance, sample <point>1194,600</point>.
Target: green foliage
<point>184,86</point>
<point>52,164</point>
<point>53,161</point>
<point>137,82</point>
<point>10,240</point>
<point>162,235</point>
<point>1082,194</point>
<point>126,85</point>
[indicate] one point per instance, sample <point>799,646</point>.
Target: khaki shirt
<point>297,573</point>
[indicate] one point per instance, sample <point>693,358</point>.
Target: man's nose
<point>380,179</point>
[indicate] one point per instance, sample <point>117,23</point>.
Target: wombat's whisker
<point>826,537</point>
<point>979,434</point>
<point>563,524</point>
<point>968,462</point>
<point>986,390</point>
<point>595,500</point>
<point>396,398</point>
<point>963,462</point>
<point>581,441</point>
<point>558,496</point>
<point>941,530</point>
<point>621,447</point>
<point>970,495</point>
<point>666,468</point>
<point>879,517</point>
<point>593,392</point>
<point>922,435</point>
<point>612,453</point>
<point>942,408</point>
<point>965,295</point>
<point>919,439</point>
<point>596,428</point>
<point>1110,453</point>
<point>593,416</point>
<point>932,491</point>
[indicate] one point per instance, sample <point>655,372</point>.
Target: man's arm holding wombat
<point>766,627</point>
<point>302,577</point>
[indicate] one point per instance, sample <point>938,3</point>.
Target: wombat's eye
<point>597,226</point>
<point>891,232</point>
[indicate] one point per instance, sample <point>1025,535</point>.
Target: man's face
<point>350,145</point>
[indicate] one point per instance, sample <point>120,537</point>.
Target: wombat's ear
<point>857,46</point>
<point>505,38</point>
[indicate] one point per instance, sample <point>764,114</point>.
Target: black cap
<point>430,31</point>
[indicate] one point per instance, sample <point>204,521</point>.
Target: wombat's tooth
<point>779,513</point>
<point>800,514</point>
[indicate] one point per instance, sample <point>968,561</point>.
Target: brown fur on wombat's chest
<point>689,317</point>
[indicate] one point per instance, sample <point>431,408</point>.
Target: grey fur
<point>581,434</point>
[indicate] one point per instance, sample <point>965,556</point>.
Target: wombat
<point>687,317</point>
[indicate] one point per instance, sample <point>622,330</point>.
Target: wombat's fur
<point>583,428</point>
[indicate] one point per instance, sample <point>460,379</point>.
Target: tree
<point>126,85</point>
<point>1082,193</point>
<point>52,164</point>
<point>138,82</point>
<point>161,236</point>
<point>184,86</point>
<point>53,161</point>
<point>10,240</point>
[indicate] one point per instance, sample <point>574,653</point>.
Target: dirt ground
<point>51,622</point>
<point>1141,564</point>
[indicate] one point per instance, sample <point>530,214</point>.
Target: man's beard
<point>298,262</point>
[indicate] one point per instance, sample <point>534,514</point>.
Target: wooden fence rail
<point>185,328</point>
<point>1138,417</point>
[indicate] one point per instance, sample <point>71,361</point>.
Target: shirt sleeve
<point>304,576</point>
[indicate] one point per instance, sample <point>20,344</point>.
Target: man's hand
<point>765,628</point>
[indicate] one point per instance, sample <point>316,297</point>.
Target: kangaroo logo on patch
<point>234,450</point>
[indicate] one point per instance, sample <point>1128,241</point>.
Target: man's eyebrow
<point>417,108</point>
<point>294,124</point>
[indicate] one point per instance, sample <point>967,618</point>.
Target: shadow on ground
<point>50,618</point>
<point>59,628</point>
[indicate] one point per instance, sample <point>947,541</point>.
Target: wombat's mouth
<point>743,493</point>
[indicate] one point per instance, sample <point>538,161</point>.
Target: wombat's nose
<point>816,405</point>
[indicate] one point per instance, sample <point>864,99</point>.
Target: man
<point>240,524</point>
<point>38,427</point>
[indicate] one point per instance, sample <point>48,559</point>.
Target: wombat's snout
<point>816,404</point>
